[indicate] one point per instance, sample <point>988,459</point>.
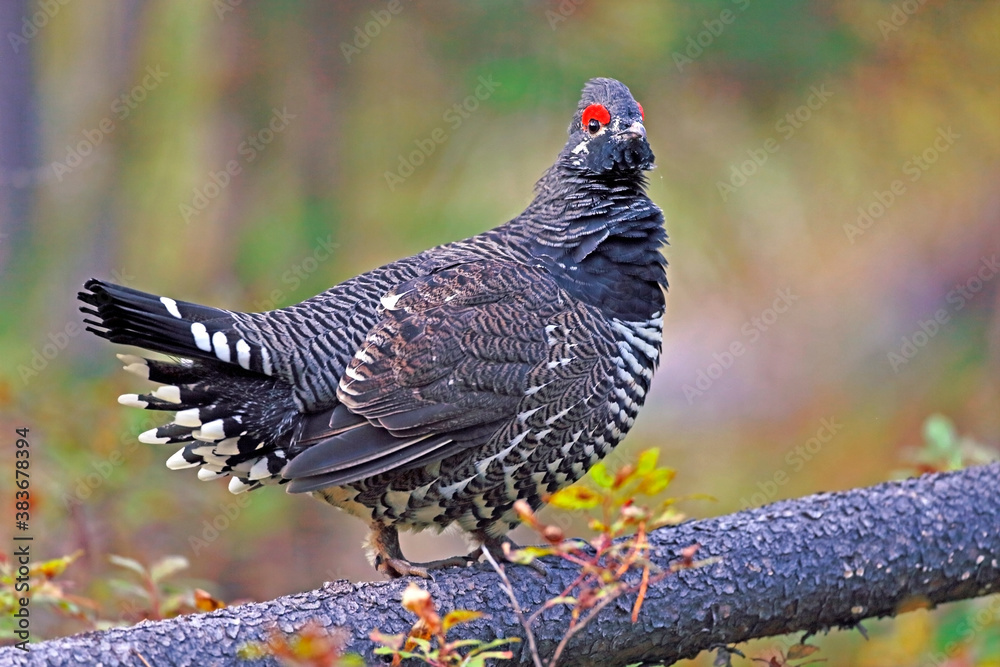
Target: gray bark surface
<point>809,564</point>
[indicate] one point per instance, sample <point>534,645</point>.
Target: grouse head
<point>607,136</point>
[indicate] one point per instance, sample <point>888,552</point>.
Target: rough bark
<point>824,561</point>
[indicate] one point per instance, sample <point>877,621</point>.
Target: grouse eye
<point>594,117</point>
<point>642,114</point>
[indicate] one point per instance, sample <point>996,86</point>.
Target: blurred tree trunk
<point>18,129</point>
<point>824,561</point>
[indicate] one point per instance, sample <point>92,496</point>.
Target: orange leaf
<point>458,616</point>
<point>53,568</point>
<point>799,651</point>
<point>392,641</point>
<point>203,601</point>
<point>656,481</point>
<point>419,601</point>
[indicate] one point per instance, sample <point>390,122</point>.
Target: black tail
<point>161,324</point>
<point>232,419</point>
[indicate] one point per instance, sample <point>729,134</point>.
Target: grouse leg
<point>389,559</point>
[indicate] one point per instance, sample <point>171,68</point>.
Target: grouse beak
<point>634,131</point>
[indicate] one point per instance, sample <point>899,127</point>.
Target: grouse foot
<point>389,559</point>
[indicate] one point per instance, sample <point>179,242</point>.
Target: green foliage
<point>609,562</point>
<point>427,641</point>
<point>944,449</point>
<point>965,634</point>
<point>145,592</point>
<point>43,591</point>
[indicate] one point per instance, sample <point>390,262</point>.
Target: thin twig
<point>579,626</point>
<point>509,590</point>
<point>139,655</point>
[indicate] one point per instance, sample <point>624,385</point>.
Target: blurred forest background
<point>829,173</point>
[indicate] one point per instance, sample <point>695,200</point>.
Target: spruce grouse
<point>440,388</point>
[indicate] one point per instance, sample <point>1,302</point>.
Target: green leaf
<point>128,564</point>
<point>419,642</point>
<point>172,604</point>
<point>668,517</point>
<point>601,476</point>
<point>67,605</point>
<point>647,461</point>
<point>499,641</point>
<point>561,599</point>
<point>527,555</point>
<point>597,526</point>
<point>129,589</point>
<point>479,659</point>
<point>575,498</point>
<point>252,651</point>
<point>520,557</point>
<point>940,435</point>
<point>167,566</point>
